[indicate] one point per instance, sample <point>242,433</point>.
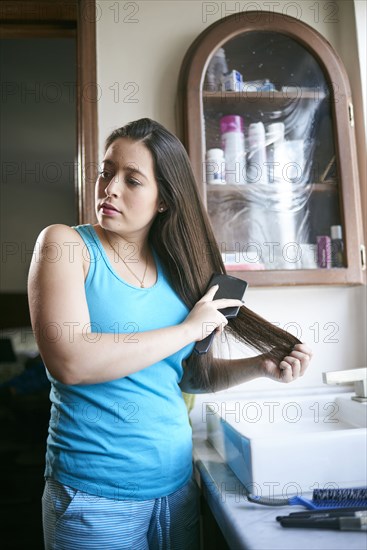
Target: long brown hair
<point>184,241</point>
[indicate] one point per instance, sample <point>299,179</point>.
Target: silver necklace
<point>141,281</point>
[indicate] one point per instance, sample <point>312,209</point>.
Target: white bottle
<point>216,69</point>
<point>275,151</point>
<point>257,170</point>
<point>215,167</point>
<point>233,143</point>
<point>294,170</point>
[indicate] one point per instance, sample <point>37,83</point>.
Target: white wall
<point>140,48</point>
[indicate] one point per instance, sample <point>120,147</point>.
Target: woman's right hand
<point>205,317</point>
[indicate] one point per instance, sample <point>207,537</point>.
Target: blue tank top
<point>129,438</point>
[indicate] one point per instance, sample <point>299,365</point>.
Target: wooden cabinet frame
<point>191,84</point>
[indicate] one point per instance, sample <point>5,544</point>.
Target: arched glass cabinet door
<point>267,119</point>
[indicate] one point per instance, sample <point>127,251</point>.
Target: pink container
<point>231,123</point>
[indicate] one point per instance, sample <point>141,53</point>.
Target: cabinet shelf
<point>311,102</point>
<point>270,95</point>
<point>240,190</point>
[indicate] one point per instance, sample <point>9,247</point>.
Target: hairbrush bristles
<point>339,497</point>
<point>321,499</point>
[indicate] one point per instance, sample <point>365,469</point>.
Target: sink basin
<point>283,446</point>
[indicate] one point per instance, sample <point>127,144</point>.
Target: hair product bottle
<point>215,167</point>
<point>217,68</point>
<point>275,151</point>
<point>337,246</point>
<point>257,170</point>
<point>233,143</point>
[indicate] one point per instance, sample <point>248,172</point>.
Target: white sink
<point>292,445</point>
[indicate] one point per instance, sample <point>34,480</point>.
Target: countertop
<point>248,526</point>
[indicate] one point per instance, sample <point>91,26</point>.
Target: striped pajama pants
<point>76,520</point>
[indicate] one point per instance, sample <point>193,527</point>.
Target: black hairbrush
<point>229,287</point>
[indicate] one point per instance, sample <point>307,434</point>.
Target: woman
<point>116,309</point>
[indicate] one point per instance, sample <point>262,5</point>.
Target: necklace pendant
<point>126,265</point>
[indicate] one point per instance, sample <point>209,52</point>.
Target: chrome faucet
<point>358,377</point>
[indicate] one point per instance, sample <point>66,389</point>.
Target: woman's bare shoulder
<point>60,233</point>
<point>61,242</point>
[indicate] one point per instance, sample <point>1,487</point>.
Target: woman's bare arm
<point>61,322</point>
<point>237,371</point>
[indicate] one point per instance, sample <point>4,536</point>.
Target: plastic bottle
<point>216,69</point>
<point>233,143</point>
<point>337,246</point>
<point>275,151</point>
<point>215,167</point>
<point>323,251</point>
<point>257,170</point>
<point>294,171</point>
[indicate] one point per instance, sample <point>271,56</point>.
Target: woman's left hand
<point>291,367</point>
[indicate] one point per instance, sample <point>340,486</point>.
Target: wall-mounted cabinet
<point>267,119</point>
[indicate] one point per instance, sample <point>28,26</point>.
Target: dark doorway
<point>38,146</point>
<point>48,142</point>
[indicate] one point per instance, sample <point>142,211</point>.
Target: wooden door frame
<point>26,18</point>
<point>87,115</point>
